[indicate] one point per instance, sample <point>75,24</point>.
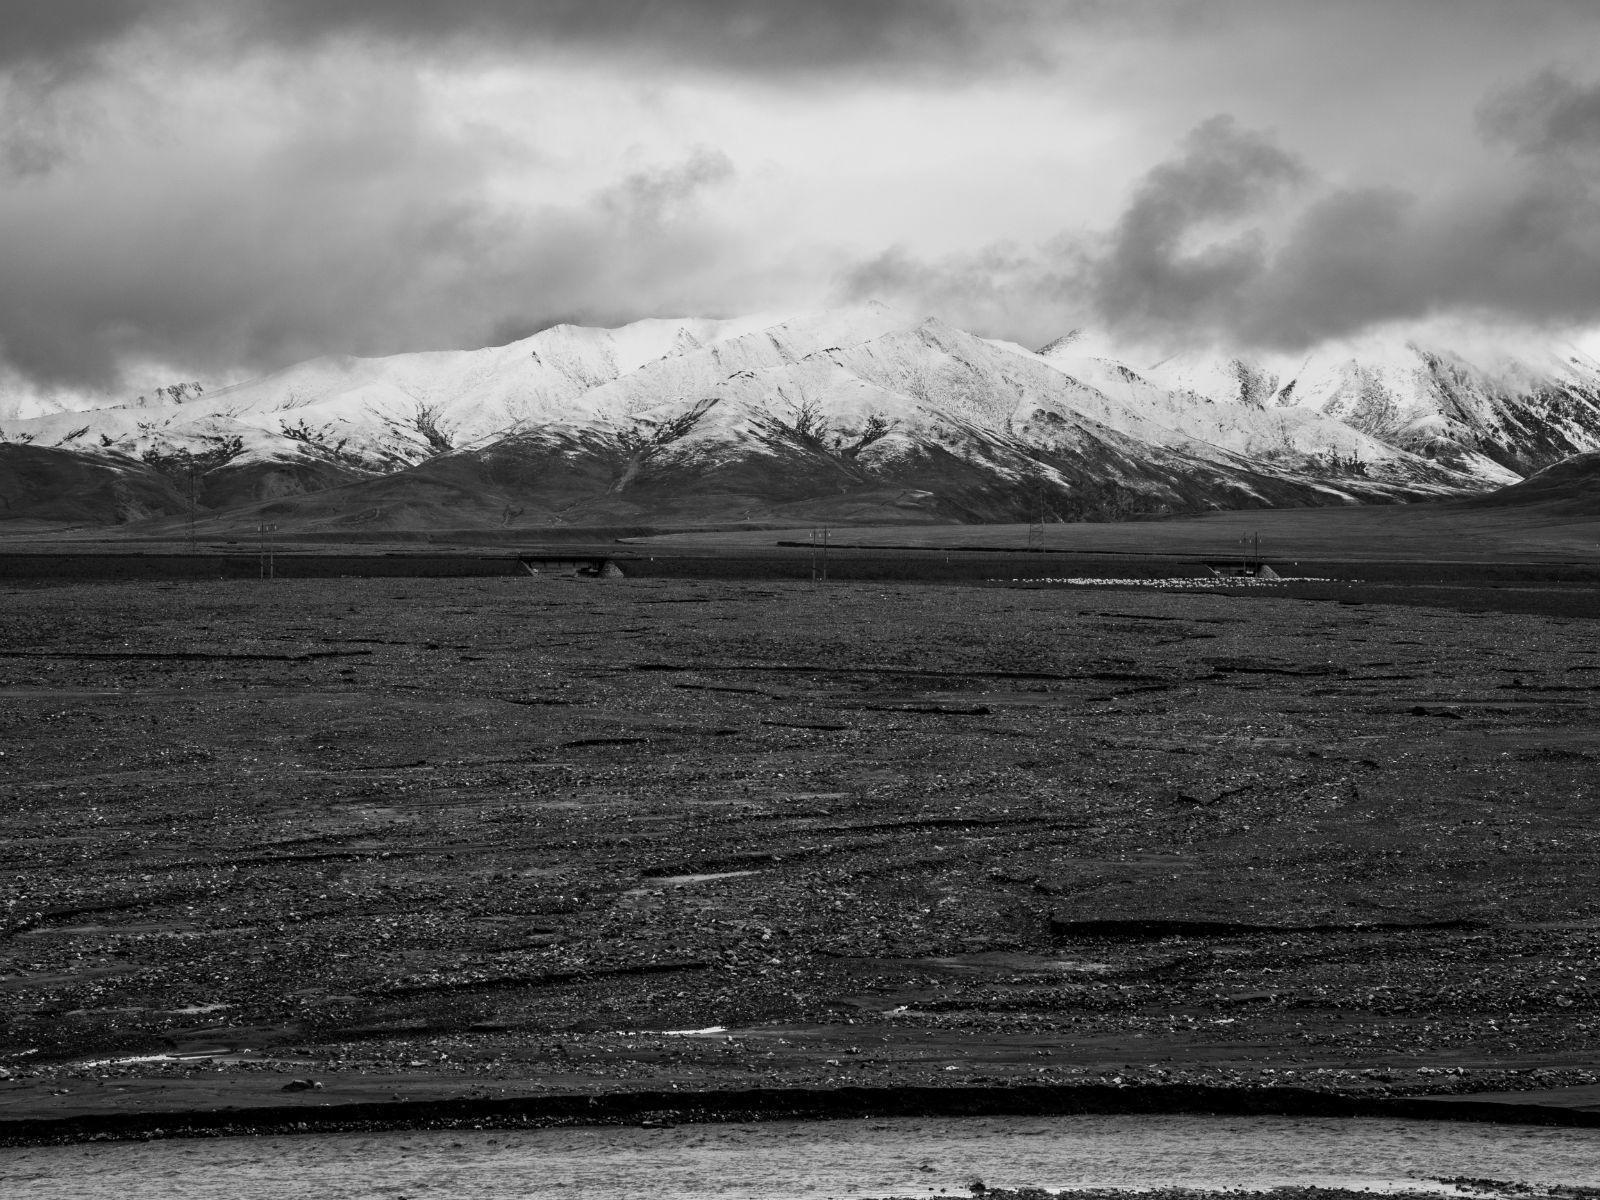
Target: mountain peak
<point>1058,346</point>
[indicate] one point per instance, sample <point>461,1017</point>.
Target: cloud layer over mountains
<point>1191,255</point>
<point>212,189</point>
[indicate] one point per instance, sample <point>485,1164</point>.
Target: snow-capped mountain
<point>804,409</point>
<point>1522,408</point>
<point>388,412</point>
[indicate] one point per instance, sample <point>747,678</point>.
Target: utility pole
<point>193,487</point>
<point>819,555</point>
<point>1036,524</point>
<point>1252,561</point>
<point>268,566</point>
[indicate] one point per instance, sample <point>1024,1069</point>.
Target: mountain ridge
<point>754,414</point>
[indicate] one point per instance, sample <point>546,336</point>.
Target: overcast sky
<point>211,188</point>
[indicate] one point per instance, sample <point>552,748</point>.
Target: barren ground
<point>419,839</point>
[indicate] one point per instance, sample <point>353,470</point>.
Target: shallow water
<point>808,1160</point>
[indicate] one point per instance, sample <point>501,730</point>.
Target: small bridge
<point>585,566</point>
<point>1234,569</point>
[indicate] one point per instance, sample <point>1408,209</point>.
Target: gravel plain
<point>320,844</point>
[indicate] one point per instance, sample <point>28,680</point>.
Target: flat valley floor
<point>394,840</point>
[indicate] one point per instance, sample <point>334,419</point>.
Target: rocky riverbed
<point>316,843</point>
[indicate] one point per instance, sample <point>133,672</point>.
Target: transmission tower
<point>819,555</point>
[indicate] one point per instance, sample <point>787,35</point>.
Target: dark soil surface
<point>328,842</point>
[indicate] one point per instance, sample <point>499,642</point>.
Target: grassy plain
<point>1417,533</point>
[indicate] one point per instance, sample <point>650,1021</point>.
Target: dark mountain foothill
<point>47,484</point>
<point>1569,487</point>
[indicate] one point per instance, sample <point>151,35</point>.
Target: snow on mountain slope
<point>391,404</point>
<point>1497,411</point>
<point>20,405</point>
<point>843,398</point>
<point>387,412</point>
<point>838,401</point>
<point>1221,426</point>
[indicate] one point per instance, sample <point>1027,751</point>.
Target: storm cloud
<point>1551,114</point>
<point>748,35</point>
<point>1235,240</point>
<point>65,31</point>
<point>332,230</point>
<point>1159,267</point>
<point>226,185</point>
<point>219,187</point>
